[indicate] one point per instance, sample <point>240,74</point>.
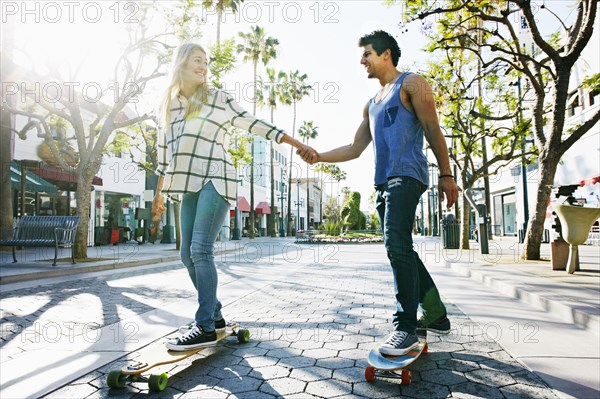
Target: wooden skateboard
<point>393,366</point>
<point>156,354</point>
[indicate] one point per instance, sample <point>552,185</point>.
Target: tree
<point>140,62</point>
<point>222,61</point>
<point>547,67</point>
<point>351,216</point>
<point>470,119</point>
<point>6,133</point>
<point>307,131</point>
<point>295,89</point>
<point>256,47</point>
<point>269,93</point>
<point>221,6</point>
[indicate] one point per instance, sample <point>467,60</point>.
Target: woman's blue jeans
<point>396,205</point>
<point>202,216</point>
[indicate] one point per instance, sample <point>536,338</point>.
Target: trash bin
<point>451,233</point>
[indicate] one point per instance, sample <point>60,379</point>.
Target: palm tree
<point>269,93</point>
<point>295,89</point>
<point>256,46</point>
<point>221,6</point>
<point>307,131</point>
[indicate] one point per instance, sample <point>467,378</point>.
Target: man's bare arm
<point>423,103</point>
<point>362,138</point>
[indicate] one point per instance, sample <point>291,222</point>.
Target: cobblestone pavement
<point>310,338</point>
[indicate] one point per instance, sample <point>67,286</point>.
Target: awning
<point>589,181</point>
<point>33,183</point>
<point>263,208</point>
<point>62,178</point>
<point>243,204</point>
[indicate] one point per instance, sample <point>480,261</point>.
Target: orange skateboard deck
<point>156,354</point>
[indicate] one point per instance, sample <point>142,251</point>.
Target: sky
<point>318,38</point>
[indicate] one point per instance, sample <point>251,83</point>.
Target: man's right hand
<point>308,154</point>
<point>158,207</point>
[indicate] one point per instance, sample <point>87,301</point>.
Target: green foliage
<point>308,131</point>
<point>592,83</point>
<point>239,147</point>
<point>222,61</point>
<point>351,216</point>
<point>374,222</point>
<point>256,46</point>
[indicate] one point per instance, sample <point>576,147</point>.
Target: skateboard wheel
<point>370,374</point>
<point>243,335</point>
<point>158,383</point>
<point>116,379</point>
<point>426,348</point>
<point>406,377</point>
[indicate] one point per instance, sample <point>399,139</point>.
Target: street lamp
<point>281,197</point>
<point>236,227</point>
<point>298,203</point>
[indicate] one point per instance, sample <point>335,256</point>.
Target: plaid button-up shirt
<point>191,150</point>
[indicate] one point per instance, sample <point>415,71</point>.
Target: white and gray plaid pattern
<point>191,151</point>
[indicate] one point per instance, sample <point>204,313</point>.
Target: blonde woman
<point>194,164</point>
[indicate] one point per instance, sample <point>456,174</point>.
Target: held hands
<point>447,188</point>
<point>158,207</point>
<point>308,154</point>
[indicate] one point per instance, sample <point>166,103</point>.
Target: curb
<point>568,309</point>
<point>83,269</point>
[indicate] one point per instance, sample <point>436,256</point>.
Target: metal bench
<point>44,231</point>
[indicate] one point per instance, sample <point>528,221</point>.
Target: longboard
<point>393,366</point>
<point>156,354</point>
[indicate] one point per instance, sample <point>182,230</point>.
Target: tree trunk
<point>6,136</point>
<point>6,205</point>
<point>289,214</point>
<point>307,195</point>
<point>83,197</point>
<point>549,158</point>
<point>535,227</point>
<point>465,222</point>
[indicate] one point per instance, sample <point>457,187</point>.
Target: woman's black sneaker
<point>441,325</point>
<point>193,339</point>
<point>220,326</point>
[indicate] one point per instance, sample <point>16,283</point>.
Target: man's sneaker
<point>220,326</point>
<point>441,325</point>
<point>399,343</point>
<point>193,339</point>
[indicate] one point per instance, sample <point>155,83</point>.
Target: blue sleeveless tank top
<point>397,138</point>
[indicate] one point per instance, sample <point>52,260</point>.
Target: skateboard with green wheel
<point>156,354</point>
<point>394,366</point>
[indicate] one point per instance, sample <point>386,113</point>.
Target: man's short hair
<point>381,41</point>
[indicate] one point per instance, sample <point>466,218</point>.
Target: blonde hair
<point>197,99</point>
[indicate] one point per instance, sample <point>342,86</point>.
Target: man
<point>397,119</point>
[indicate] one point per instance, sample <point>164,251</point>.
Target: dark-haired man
<point>397,119</point>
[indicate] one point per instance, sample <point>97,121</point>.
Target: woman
<point>194,164</point>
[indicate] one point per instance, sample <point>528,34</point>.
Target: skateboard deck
<point>393,366</point>
<point>156,354</point>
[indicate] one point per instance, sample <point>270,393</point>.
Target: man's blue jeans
<point>396,205</point>
<point>202,216</point>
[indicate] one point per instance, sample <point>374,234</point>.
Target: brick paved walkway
<point>310,338</point>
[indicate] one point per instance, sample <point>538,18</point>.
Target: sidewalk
<point>36,263</point>
<point>576,297</point>
<point>313,323</point>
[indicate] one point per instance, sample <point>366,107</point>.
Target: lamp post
<point>282,197</point>
<point>236,227</point>
<point>298,204</point>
